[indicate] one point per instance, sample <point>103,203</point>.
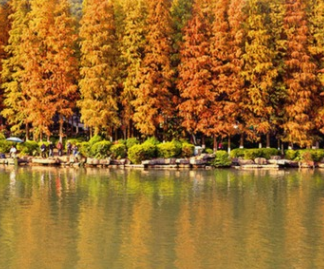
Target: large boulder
<point>244,162</point>
<point>260,161</point>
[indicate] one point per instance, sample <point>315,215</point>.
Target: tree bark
<point>215,143</point>
<point>61,122</point>
<point>229,145</point>
<point>268,140</point>
<point>242,141</point>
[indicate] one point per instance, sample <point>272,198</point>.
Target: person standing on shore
<point>50,150</point>
<point>43,150</point>
<point>13,152</point>
<point>69,148</point>
<point>59,147</point>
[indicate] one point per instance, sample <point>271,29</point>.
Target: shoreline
<point>197,162</point>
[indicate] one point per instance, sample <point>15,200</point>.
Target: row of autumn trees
<point>215,68</point>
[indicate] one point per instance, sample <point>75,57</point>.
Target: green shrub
<point>84,148</point>
<point>152,140</point>
<point>2,136</point>
<point>5,146</point>
<point>187,150</point>
<point>95,139</point>
<point>305,155</point>
<point>118,151</point>
<point>268,152</point>
<point>318,155</point>
<point>131,142</point>
<point>121,141</point>
<point>315,155</point>
<point>74,141</point>
<point>291,154</point>
<point>236,153</point>
<point>29,148</point>
<point>222,159</point>
<point>169,149</point>
<point>208,151</point>
<point>138,153</point>
<point>250,154</point>
<point>100,149</point>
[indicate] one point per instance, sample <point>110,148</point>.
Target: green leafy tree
<point>181,11</point>
<point>76,8</point>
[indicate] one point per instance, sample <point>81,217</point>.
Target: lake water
<point>99,218</point>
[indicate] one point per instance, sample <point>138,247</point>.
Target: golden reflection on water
<point>101,218</point>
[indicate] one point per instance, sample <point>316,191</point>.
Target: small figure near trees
<point>220,145</point>
<point>13,152</point>
<point>68,148</point>
<point>50,150</point>
<point>43,150</point>
<point>59,147</point>
<point>75,150</point>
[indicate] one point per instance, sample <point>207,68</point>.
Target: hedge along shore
<point>202,161</point>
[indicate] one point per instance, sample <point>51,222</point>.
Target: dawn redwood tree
<point>98,101</point>
<point>154,103</point>
<point>223,106</point>
<point>236,19</point>
<point>132,53</point>
<point>258,71</point>
<point>62,63</point>
<point>13,69</point>
<point>300,78</point>
<point>195,74</point>
<point>40,106</point>
<point>278,46</point>
<point>5,11</point>
<point>50,66</point>
<point>316,49</point>
<point>227,49</point>
<point>181,11</point>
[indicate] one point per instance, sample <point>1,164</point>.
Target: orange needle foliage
<point>154,101</point>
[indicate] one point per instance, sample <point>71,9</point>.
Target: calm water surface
<point>93,219</point>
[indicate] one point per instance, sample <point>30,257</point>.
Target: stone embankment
<point>196,162</point>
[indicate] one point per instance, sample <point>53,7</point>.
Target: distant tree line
<point>170,69</point>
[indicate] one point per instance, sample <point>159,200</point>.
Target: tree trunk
<point>90,133</point>
<point>27,131</point>
<point>242,141</point>
<point>229,145</point>
<point>77,125</point>
<point>61,122</point>
<point>268,140</point>
<point>215,143</point>
<point>116,134</point>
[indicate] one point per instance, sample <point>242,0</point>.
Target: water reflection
<point>101,218</point>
